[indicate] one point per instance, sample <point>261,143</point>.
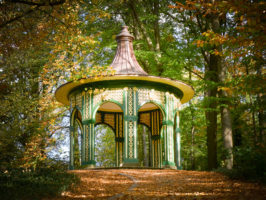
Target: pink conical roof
<point>125,62</point>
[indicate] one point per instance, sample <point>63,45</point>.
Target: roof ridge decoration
<point>125,62</point>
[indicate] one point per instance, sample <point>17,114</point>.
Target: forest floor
<point>160,184</point>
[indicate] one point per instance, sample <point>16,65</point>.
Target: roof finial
<point>125,62</point>
<point>124,34</point>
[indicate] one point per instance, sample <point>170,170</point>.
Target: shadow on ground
<point>160,184</point>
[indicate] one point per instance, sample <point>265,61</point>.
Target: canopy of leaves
<point>46,43</point>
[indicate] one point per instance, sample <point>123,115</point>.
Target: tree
<point>39,51</point>
<point>223,30</point>
<point>201,17</point>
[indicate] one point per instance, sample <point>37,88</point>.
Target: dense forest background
<point>215,46</point>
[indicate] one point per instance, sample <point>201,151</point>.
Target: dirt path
<point>160,184</point>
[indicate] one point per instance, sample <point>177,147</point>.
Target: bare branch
<point>143,30</point>
<point>29,11</point>
<point>186,68</point>
<point>16,18</point>
<point>31,3</point>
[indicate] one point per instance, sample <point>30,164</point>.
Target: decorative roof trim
<point>63,91</point>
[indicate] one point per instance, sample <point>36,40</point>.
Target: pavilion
<point>122,101</point>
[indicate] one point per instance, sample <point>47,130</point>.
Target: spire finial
<point>125,62</point>
<point>125,35</point>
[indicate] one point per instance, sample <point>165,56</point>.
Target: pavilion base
<point>90,166</point>
<point>169,167</point>
<point>131,163</point>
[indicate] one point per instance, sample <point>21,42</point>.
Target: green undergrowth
<point>243,175</point>
<point>249,164</point>
<point>45,182</point>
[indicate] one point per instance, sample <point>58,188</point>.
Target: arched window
<point>150,146</point>
<point>144,146</point>
<point>77,143</point>
<point>108,135</point>
<point>104,146</point>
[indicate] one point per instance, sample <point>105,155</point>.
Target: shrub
<point>249,164</point>
<point>43,182</point>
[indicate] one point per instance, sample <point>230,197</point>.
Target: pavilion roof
<point>125,62</point>
<point>126,67</point>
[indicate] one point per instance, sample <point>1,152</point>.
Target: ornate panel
<point>130,123</point>
<point>72,102</point>
<point>88,107</point>
<point>177,103</point>
<point>130,140</point>
<point>130,101</point>
<point>107,94</point>
<point>76,100</point>
<point>145,95</point>
<point>86,143</point>
<point>79,100</point>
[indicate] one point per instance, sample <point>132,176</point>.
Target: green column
<point>178,144</point>
<point>168,145</point>
<point>71,152</point>
<point>83,136</point>
<point>88,128</point>
<point>83,145</point>
<point>119,152</point>
<point>119,140</point>
<point>89,133</point>
<point>168,132</point>
<point>130,128</point>
<point>76,146</point>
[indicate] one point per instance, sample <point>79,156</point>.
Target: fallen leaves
<point>160,184</point>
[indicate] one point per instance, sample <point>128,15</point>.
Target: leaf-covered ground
<point>160,184</point>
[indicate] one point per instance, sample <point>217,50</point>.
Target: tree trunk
<point>227,135</point>
<point>211,120</point>
<point>260,98</point>
<point>157,36</point>
<point>132,5</point>
<point>192,156</point>
<point>211,94</point>
<point>226,120</point>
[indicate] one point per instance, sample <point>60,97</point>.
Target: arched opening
<point>77,137</point>
<point>144,146</point>
<point>150,149</point>
<point>77,143</point>
<point>104,146</point>
<point>109,136</point>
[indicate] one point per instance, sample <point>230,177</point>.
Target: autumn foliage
<point>44,44</point>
